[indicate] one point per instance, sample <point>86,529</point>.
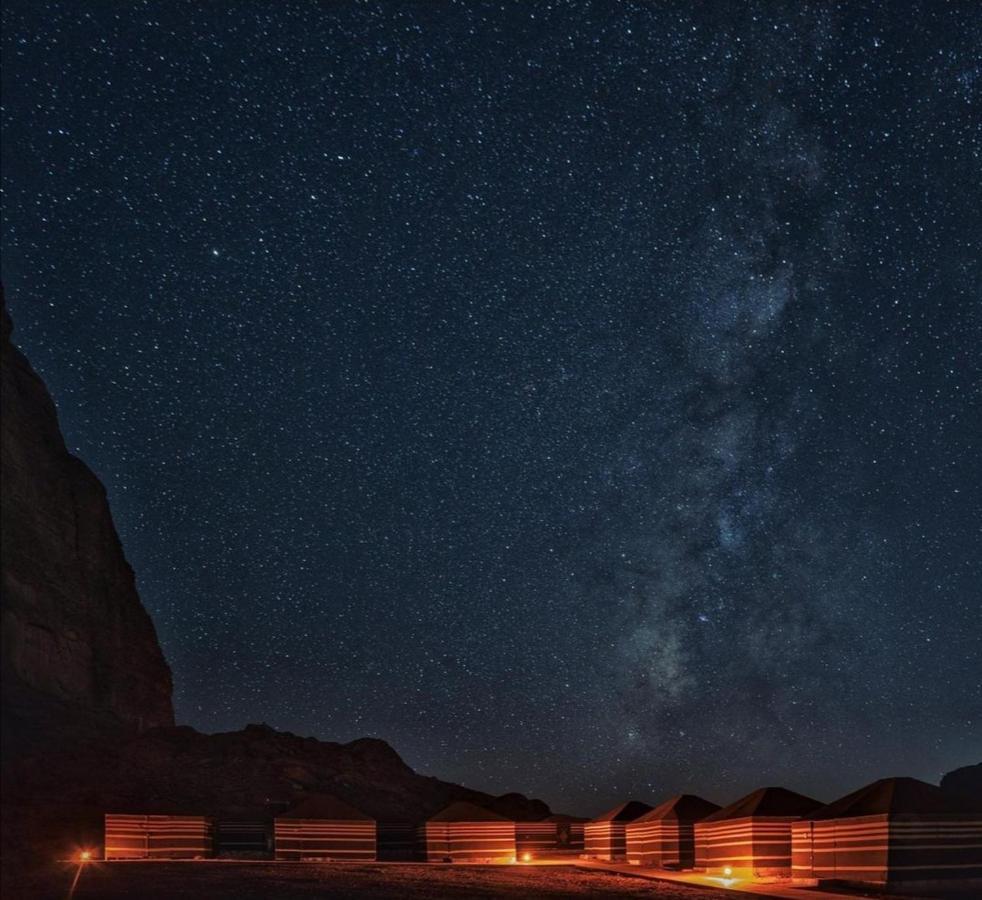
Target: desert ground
<point>286,881</point>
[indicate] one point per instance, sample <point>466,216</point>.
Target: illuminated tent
<point>751,838</point>
<point>323,827</point>
<point>556,835</point>
<point>465,832</point>
<point>893,831</point>
<point>158,837</point>
<point>665,837</point>
<point>569,832</point>
<point>604,836</point>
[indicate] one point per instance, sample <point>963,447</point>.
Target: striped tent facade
<point>605,837</point>
<point>665,837</point>
<point>895,831</point>
<point>158,837</point>
<point>570,833</point>
<point>555,836</point>
<point>465,832</point>
<point>537,839</point>
<point>751,838</point>
<point>324,828</point>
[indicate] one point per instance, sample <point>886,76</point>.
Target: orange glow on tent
<point>526,857</point>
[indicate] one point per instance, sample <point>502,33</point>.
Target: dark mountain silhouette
<point>76,639</point>
<point>964,786</point>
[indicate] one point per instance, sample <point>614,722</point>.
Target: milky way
<point>582,397</point>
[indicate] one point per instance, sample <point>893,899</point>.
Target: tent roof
<point>562,817</point>
<point>626,812</point>
<point>888,796</point>
<point>766,801</point>
<point>325,806</point>
<point>462,811</point>
<point>683,808</point>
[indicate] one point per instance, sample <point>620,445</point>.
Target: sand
<point>284,881</point>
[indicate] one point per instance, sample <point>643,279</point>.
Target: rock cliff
<point>75,635</point>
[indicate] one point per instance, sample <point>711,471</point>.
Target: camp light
<point>526,857</point>
<point>85,855</point>
<point>727,871</point>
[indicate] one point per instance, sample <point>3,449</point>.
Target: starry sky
<point>583,397</point>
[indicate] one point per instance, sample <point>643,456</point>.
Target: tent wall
<point>434,839</point>
<point>854,848</point>
<point>936,848</point>
<point>605,840</point>
<point>803,850</point>
<point>468,841</point>
<point>158,837</point>
<point>571,836</point>
<point>663,843</point>
<point>544,839</point>
<point>889,850</point>
<point>324,839</point>
<point>702,851</point>
<point>753,846</point>
<point>537,838</point>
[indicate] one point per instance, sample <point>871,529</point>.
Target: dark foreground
<point>285,881</point>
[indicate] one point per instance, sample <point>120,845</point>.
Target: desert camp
<point>490,449</point>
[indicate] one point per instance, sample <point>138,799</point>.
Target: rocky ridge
<point>74,630</point>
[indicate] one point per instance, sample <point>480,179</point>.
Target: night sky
<point>583,397</point>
